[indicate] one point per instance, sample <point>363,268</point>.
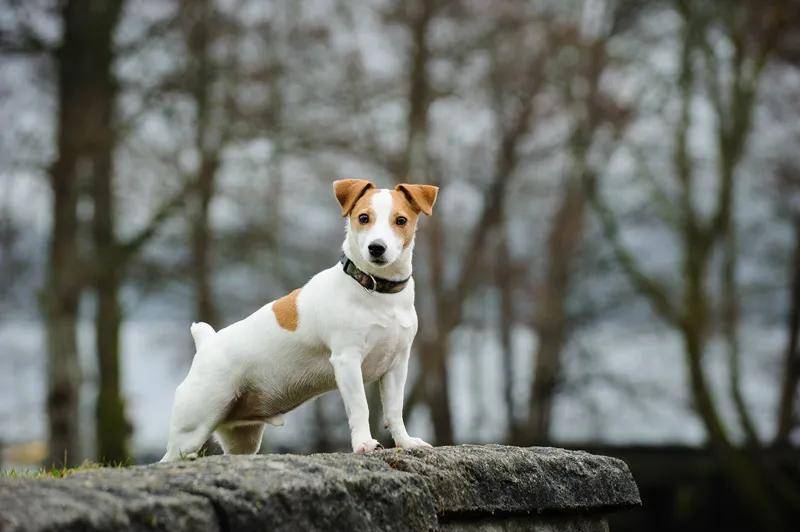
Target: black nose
<point>377,248</point>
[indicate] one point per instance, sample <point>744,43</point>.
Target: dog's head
<point>382,222</point>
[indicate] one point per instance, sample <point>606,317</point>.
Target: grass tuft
<point>57,472</point>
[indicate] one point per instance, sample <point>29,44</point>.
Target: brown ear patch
<point>285,310</point>
<point>421,197</point>
<point>348,192</point>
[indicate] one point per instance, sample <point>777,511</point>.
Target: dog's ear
<point>347,192</point>
<point>421,197</point>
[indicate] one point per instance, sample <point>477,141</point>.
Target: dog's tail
<point>201,332</point>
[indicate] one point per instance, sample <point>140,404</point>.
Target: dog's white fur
<point>346,336</point>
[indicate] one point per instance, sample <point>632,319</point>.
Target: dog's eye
<point>363,218</point>
<point>401,220</point>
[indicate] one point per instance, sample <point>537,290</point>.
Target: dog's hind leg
<point>200,404</point>
<point>240,439</point>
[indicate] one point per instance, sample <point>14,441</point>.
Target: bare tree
<point>787,405</point>
<point>84,68</point>
<point>98,118</point>
<point>788,51</point>
<point>692,315</point>
<point>515,108</point>
<point>86,92</point>
<point>592,110</point>
<point>198,19</point>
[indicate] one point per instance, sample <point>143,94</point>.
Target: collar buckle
<point>374,283</point>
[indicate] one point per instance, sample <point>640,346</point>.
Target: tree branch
<point>165,211</point>
<point>25,44</point>
<point>655,291</point>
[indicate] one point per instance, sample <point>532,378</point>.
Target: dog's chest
<point>389,332</point>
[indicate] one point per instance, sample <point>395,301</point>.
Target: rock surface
<point>386,490</point>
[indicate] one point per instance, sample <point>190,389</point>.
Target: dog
<point>351,324</point>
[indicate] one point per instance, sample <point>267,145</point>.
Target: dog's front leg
<point>392,386</point>
<point>347,369</point>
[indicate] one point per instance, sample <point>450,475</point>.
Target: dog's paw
<point>413,443</point>
<point>366,446</point>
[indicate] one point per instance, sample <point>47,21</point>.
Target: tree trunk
<point>83,44</point>
<point>550,320</point>
<point>205,308</point>
<point>437,389</point>
<point>787,412</point>
<point>504,276</point>
<point>111,427</point>
<point>748,480</point>
<point>730,328</point>
<point>62,294</point>
<point>414,163</point>
<point>201,74</point>
<point>60,304</point>
<point>98,115</point>
<point>419,92</point>
<point>434,346</point>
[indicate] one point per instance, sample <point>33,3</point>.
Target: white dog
<point>350,324</point>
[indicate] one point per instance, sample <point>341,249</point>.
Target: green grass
<point>56,472</point>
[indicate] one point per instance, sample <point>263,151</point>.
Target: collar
<point>370,282</point>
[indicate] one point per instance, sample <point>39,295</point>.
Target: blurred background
<point>613,263</point>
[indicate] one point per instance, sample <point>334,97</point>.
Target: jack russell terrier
<point>350,324</point>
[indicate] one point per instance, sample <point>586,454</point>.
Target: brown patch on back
<point>402,207</point>
<point>285,310</point>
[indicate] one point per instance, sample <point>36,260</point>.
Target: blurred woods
<point>610,170</point>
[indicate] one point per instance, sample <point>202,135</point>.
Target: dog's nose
<point>377,248</point>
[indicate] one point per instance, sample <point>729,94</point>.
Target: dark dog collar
<point>370,282</point>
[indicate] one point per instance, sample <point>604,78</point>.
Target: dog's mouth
<point>378,261</point>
